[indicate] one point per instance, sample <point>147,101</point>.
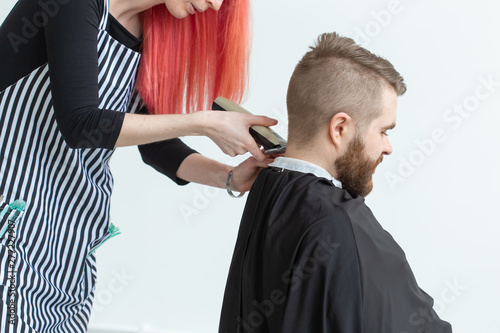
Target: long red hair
<point>186,63</point>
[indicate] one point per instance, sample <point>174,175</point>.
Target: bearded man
<point>310,256</point>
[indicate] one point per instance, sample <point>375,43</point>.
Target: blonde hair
<point>337,75</point>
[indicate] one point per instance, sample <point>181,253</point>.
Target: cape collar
<point>295,164</point>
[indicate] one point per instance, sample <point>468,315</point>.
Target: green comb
<point>18,206</point>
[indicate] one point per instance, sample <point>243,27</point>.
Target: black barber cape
<point>310,258</point>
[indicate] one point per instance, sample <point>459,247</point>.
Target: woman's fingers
<point>246,172</point>
<point>230,131</point>
<point>263,121</point>
<point>256,152</point>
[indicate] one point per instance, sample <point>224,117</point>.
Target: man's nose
<point>387,147</point>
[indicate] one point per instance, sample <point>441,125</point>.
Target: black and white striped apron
<point>67,192</point>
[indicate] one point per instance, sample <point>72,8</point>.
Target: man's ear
<point>341,129</point>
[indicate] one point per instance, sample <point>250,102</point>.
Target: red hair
<point>186,63</point>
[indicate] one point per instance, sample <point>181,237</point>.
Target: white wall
<point>167,270</point>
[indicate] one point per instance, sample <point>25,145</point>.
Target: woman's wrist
<point>230,187</point>
<point>202,123</point>
<point>202,170</point>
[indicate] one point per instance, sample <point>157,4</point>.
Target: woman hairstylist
<point>73,86</point>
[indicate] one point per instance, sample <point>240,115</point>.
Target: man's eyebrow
<point>389,127</point>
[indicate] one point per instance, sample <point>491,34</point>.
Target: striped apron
<point>67,192</point>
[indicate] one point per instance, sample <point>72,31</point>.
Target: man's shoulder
<point>302,201</point>
<point>317,191</point>
<point>296,179</point>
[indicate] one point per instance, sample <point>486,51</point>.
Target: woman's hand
<point>245,173</point>
<point>230,131</point>
<point>202,170</point>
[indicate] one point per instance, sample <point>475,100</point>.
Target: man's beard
<point>355,169</point>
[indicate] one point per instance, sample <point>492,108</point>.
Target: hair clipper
<point>263,135</point>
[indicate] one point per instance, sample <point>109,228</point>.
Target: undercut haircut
<point>337,75</point>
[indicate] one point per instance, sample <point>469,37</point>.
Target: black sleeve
<point>166,156</point>
<point>71,39</point>
<point>22,44</point>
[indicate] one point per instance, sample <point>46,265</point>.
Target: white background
<point>440,201</point>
